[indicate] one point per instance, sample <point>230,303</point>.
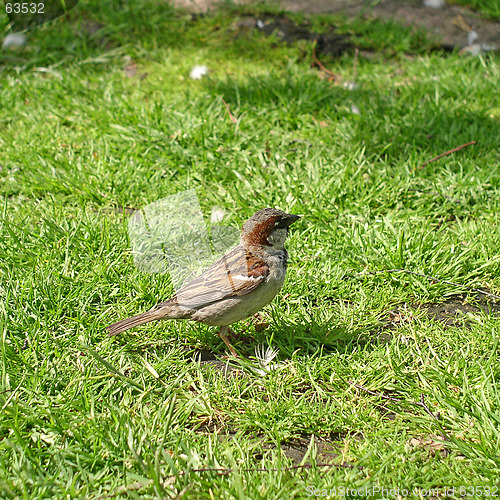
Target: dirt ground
<point>452,25</point>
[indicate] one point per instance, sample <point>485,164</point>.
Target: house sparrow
<point>236,286</point>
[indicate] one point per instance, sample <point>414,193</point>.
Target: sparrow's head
<point>268,227</point>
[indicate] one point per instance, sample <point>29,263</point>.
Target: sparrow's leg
<point>231,335</point>
<point>224,332</point>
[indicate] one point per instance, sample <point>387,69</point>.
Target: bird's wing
<point>236,273</point>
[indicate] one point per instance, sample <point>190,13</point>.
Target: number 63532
<point>24,8</point>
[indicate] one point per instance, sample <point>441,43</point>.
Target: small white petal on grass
<point>14,41</point>
<point>217,215</point>
<point>355,110</point>
<point>260,24</point>
<point>350,85</point>
<point>198,72</point>
<point>435,4</point>
<point>472,37</point>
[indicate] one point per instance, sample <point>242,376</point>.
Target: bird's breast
<point>234,309</point>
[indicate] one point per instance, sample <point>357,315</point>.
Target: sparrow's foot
<point>224,333</point>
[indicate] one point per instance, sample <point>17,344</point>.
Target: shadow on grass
<point>103,32</point>
<point>391,126</point>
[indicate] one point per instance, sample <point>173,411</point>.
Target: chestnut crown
<point>268,227</point>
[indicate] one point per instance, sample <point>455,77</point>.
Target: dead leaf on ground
<point>130,69</point>
<point>430,443</point>
<point>321,123</point>
<point>460,22</point>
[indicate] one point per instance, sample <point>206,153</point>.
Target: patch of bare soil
<point>454,312</point>
<point>452,25</point>
<point>284,28</point>
<point>327,449</point>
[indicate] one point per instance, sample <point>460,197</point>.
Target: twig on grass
<point>373,393</point>
<point>318,63</point>
<point>437,280</point>
<point>454,150</point>
<point>420,403</point>
<point>231,116</point>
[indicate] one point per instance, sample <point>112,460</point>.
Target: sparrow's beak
<point>289,220</point>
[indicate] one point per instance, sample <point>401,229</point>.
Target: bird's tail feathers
<point>127,323</point>
<point>165,310</point>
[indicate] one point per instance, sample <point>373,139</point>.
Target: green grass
<point>84,416</point>
<point>487,8</point>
